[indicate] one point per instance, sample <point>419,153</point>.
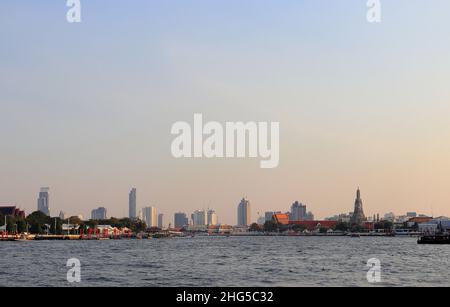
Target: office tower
<point>43,202</point>
<point>243,213</point>
<point>298,212</point>
<point>212,218</point>
<point>199,218</point>
<point>150,215</point>
<point>132,204</point>
<point>98,214</point>
<point>180,220</point>
<point>160,221</point>
<point>358,216</point>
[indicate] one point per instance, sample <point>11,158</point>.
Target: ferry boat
<point>434,239</point>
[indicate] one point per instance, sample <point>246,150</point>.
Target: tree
<point>298,228</point>
<point>21,225</point>
<point>255,228</point>
<point>270,226</point>
<point>58,230</point>
<point>75,220</point>
<point>323,229</point>
<point>357,228</point>
<point>37,221</point>
<point>342,226</point>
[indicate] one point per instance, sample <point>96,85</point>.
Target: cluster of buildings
<point>207,220</point>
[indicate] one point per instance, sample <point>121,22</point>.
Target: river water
<point>222,261</point>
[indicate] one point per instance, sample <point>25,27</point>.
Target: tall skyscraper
<point>132,204</point>
<point>298,212</point>
<point>358,216</point>
<point>98,214</point>
<point>199,218</point>
<point>150,216</point>
<point>43,202</point>
<point>160,221</point>
<point>212,217</point>
<point>243,213</point>
<point>180,220</point>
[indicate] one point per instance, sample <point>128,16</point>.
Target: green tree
<point>270,226</point>
<point>342,226</point>
<point>37,221</point>
<point>323,229</point>
<point>255,228</point>
<point>58,230</point>
<point>356,228</point>
<point>298,228</point>
<point>21,225</point>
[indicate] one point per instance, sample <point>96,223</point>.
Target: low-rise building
<point>12,211</point>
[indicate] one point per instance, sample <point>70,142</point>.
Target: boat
<point>434,239</point>
<point>161,235</point>
<point>21,238</point>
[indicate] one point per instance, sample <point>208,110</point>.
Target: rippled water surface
<point>221,261</point>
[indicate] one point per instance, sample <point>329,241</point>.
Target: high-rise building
<point>180,220</point>
<point>243,213</point>
<point>132,204</point>
<point>358,216</point>
<point>150,215</point>
<point>309,216</point>
<point>199,218</point>
<point>212,218</point>
<point>160,221</point>
<point>298,212</point>
<point>98,214</point>
<point>43,202</point>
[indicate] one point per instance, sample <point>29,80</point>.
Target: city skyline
<point>297,211</point>
<point>87,108</point>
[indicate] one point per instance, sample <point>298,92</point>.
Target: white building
<point>243,213</point>
<point>430,228</point>
<point>63,215</point>
<point>150,216</point>
<point>212,218</point>
<point>160,221</point>
<point>389,217</point>
<point>261,220</point>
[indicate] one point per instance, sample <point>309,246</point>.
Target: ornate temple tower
<point>358,216</point>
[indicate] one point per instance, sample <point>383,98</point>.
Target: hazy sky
<point>86,109</point>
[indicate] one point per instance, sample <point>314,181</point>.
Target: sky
<point>87,108</point>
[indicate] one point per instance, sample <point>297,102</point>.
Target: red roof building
<point>281,218</point>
